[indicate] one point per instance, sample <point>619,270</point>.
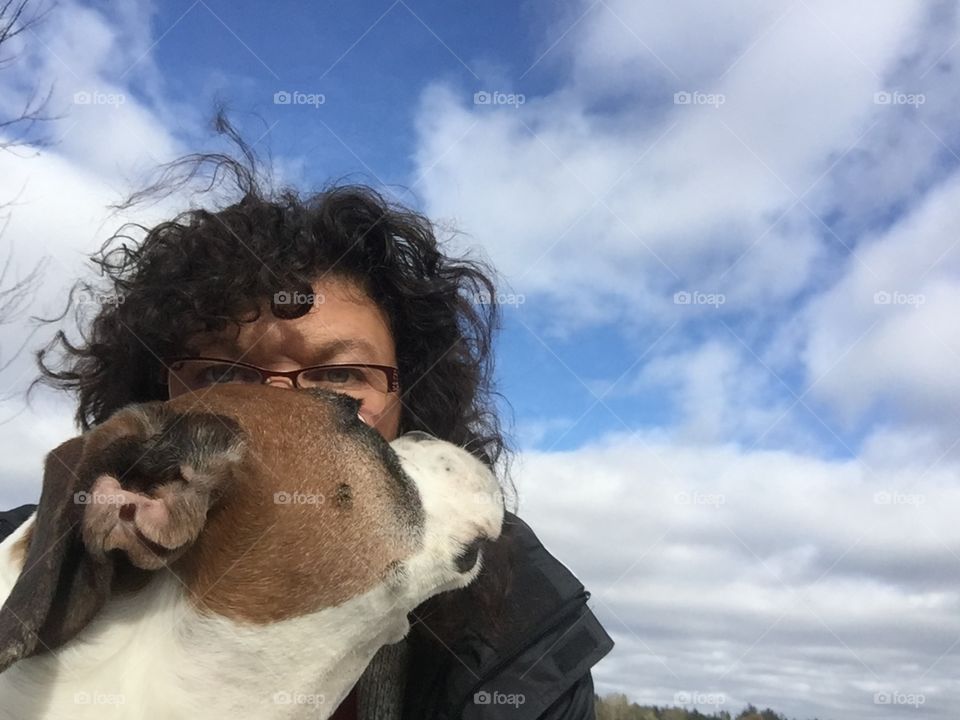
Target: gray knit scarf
<point>380,688</point>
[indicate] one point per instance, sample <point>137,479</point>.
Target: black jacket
<point>533,662</point>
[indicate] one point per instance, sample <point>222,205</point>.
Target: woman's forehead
<point>343,321</point>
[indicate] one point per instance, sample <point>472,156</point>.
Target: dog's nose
<point>466,561</point>
<point>462,509</point>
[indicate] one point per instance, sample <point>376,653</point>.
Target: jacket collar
<point>536,638</point>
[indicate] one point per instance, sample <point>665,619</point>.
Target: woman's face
<point>343,326</point>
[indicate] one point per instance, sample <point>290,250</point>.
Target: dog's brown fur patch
<point>281,541</point>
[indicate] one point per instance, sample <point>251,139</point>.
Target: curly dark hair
<point>208,270</point>
<point>211,269</point>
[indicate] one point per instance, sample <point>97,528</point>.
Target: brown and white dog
<point>240,555</point>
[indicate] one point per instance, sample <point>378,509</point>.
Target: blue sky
<point>371,62</point>
<point>730,236</point>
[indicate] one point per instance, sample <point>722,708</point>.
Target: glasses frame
<point>392,373</point>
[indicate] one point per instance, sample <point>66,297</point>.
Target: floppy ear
<point>61,586</point>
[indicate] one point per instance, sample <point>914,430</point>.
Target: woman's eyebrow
<point>319,353</point>
<point>324,351</point>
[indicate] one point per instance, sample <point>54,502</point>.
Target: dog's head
<point>267,504</point>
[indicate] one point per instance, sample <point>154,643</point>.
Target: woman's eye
<point>338,376</point>
<point>215,374</point>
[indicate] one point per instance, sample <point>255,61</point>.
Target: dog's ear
<point>61,586</point>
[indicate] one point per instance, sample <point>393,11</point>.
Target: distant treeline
<point>618,707</point>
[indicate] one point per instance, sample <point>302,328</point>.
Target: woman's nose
<point>279,381</point>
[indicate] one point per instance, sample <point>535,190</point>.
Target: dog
<point>243,553</point>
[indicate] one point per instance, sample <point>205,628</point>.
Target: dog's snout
<point>418,435</point>
<point>467,560</point>
<point>462,509</point>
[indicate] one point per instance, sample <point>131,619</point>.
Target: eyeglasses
<point>368,383</point>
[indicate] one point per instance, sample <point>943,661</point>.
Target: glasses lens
<point>198,374</point>
<point>344,377</point>
<point>368,385</point>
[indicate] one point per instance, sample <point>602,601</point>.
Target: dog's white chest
<point>152,656</point>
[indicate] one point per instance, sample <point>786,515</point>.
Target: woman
<point>344,290</point>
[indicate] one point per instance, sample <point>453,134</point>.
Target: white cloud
<point>104,135</point>
<point>720,562</point>
<point>886,333</point>
<point>29,433</point>
<point>771,577</point>
<point>719,392</point>
<point>654,196</point>
<point>96,65</point>
<point>601,200</point>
